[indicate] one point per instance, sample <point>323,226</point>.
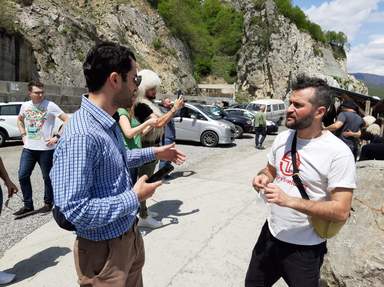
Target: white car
<point>8,122</point>
<point>197,123</point>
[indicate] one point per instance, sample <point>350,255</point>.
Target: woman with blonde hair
<point>132,131</point>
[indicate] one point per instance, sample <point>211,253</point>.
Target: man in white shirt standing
<point>288,245</point>
<point>36,122</point>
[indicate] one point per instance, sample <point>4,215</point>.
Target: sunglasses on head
<point>137,80</point>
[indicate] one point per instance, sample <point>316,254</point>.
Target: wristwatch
<point>57,136</point>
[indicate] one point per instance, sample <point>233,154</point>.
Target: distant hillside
<point>374,82</point>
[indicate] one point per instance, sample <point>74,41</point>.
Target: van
<point>275,109</point>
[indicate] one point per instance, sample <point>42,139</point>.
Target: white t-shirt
<point>324,163</point>
<point>39,121</point>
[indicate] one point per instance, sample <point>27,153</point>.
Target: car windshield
<point>256,107</point>
<point>209,112</point>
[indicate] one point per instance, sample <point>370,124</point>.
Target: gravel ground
<point>13,231</point>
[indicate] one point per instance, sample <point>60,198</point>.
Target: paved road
<point>213,219</point>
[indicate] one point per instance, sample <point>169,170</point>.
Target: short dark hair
<point>322,96</point>
<point>32,84</point>
<point>104,59</point>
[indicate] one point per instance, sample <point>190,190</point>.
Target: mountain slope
<point>275,51</point>
<point>58,34</point>
<point>374,82</point>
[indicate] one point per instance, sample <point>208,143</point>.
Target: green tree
<point>209,28</point>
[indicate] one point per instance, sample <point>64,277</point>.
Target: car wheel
<point>3,138</point>
<point>209,139</point>
<point>238,132</point>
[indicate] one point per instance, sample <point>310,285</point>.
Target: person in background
<point>36,121</point>
<point>6,278</point>
<point>132,131</point>
<point>348,126</point>
<point>260,123</point>
<point>169,135</point>
<point>374,149</point>
<point>146,96</point>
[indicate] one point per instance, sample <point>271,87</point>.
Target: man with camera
<point>146,107</point>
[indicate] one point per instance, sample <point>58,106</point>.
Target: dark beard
<point>300,124</point>
<point>123,102</point>
<point>151,98</point>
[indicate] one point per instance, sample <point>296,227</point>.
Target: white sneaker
<point>149,222</point>
<point>6,278</point>
<point>152,213</point>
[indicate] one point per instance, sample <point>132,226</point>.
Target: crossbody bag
<point>324,228</point>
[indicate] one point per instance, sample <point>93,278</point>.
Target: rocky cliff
<point>275,51</point>
<point>60,33</point>
<point>356,255</point>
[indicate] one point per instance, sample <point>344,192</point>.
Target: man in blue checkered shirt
<point>90,176</point>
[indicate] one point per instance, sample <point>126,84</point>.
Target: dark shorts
<point>272,259</point>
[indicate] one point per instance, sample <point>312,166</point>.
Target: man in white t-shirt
<point>288,246</point>
<point>36,122</point>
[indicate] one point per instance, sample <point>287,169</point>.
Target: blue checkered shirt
<point>90,178</point>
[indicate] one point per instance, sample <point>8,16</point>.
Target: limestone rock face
<point>356,255</point>
<point>61,33</point>
<point>275,51</point>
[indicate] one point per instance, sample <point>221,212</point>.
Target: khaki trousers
<point>110,263</point>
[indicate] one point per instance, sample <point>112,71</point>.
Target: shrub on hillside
<point>209,28</point>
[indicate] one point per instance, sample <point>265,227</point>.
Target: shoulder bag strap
<point>296,178</point>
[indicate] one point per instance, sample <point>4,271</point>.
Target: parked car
<point>8,122</point>
<point>271,126</point>
<point>195,123</point>
<point>238,106</point>
<point>275,109</point>
<point>242,124</point>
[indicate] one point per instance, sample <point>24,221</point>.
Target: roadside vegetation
<point>211,30</point>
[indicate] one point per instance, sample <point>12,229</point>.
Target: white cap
<point>149,80</point>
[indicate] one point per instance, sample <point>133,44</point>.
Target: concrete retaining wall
<point>17,61</point>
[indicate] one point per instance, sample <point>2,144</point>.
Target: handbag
<point>323,227</point>
<point>61,220</point>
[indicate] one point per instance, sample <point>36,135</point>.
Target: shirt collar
<point>99,114</point>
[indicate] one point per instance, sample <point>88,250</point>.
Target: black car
<point>238,106</point>
<point>242,123</point>
<point>272,127</point>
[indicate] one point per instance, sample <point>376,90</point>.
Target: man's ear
<point>114,79</point>
<point>321,111</point>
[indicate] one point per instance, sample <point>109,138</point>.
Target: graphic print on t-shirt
<point>35,119</point>
<point>286,166</point>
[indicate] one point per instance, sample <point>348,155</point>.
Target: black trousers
<point>372,151</point>
<point>260,134</point>
<point>298,265</point>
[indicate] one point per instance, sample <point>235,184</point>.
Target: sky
<point>361,20</point>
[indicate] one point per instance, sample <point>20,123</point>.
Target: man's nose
<point>290,108</point>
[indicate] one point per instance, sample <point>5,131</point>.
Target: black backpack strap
<point>296,176</point>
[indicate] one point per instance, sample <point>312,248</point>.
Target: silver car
<point>198,124</point>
